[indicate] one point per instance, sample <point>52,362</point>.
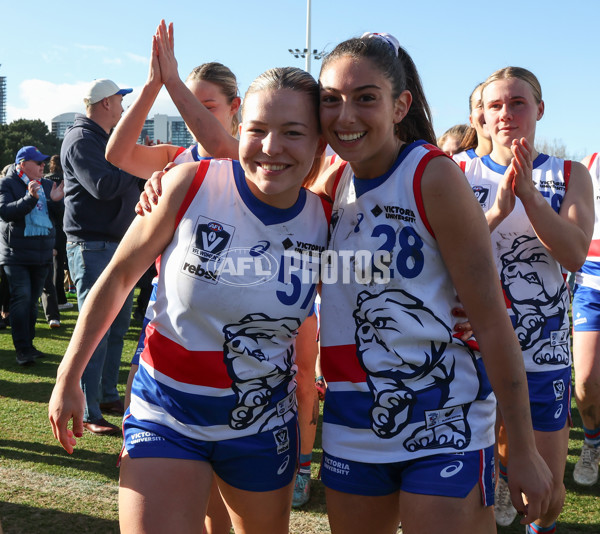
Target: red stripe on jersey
<point>434,152</point>
<point>506,300</point>
<point>179,151</point>
<point>340,364</point>
<point>463,165</point>
<point>336,181</point>
<point>594,248</point>
<point>594,156</point>
<point>327,208</point>
<point>567,173</point>
<point>197,367</point>
<point>193,189</point>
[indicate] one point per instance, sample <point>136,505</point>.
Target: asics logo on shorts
<point>451,470</point>
<point>284,465</point>
<point>558,412</point>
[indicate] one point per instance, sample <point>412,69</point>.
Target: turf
<point>44,490</point>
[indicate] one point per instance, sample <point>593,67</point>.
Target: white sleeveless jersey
<point>400,386</point>
<point>234,285</point>
<point>188,155</point>
<point>465,155</point>
<point>536,294</point>
<point>589,274</point>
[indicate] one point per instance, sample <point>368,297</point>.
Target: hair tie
<point>388,38</point>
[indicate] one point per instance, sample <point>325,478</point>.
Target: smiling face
<point>211,96</point>
<point>359,114</point>
<point>511,111</point>
<point>279,138</point>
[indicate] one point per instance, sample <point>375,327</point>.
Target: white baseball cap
<point>103,88</point>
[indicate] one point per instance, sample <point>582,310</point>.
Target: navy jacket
<point>15,204</point>
<point>99,197</point>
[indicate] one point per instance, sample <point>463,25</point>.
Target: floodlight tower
<point>307,53</point>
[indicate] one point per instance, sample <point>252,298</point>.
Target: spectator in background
<point>26,243</point>
<point>449,141</point>
<point>60,258</point>
<point>99,207</point>
<point>4,292</point>
<point>50,290</point>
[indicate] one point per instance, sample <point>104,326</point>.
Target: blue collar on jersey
<point>363,185</point>
<point>268,215</point>
<point>471,153</point>
<point>501,169</point>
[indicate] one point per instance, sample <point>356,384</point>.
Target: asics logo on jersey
<point>451,470</point>
<point>361,216</point>
<point>259,249</point>
<point>284,465</point>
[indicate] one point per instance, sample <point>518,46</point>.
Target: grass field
<point>44,490</point>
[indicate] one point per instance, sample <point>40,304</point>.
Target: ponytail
<point>397,66</point>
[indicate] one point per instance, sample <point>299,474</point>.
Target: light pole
<point>307,53</point>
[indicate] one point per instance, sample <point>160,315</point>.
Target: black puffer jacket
<point>15,204</point>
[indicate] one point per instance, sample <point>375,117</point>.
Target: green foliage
<point>24,132</point>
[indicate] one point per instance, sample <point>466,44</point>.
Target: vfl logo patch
<point>559,389</point>
<point>211,239</point>
<point>282,439</point>
<point>482,194</point>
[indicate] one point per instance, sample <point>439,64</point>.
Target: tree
<point>24,132</point>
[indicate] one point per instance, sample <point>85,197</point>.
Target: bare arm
<point>122,149</point>
<point>144,241</point>
<point>568,233</point>
<point>206,128</point>
<point>460,229</point>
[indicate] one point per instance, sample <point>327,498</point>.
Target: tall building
<point>2,99</point>
<point>166,129</point>
<point>161,128</point>
<point>61,122</point>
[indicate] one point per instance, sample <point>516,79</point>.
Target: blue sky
<point>49,51</point>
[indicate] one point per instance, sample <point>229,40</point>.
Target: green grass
<point>44,490</point>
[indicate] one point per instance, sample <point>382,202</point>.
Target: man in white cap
<point>99,207</point>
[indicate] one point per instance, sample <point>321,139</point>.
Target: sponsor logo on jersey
<point>399,213</point>
<point>444,416</point>
<point>282,439</point>
<point>286,404</point>
<point>559,337</point>
<point>452,469</point>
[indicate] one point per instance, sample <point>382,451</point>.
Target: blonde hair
<point>520,73</point>
<point>222,76</point>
